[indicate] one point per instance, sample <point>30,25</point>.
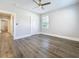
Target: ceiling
<point>31,6</point>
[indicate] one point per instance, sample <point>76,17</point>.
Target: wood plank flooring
<point>43,46</point>
<point>6,45</point>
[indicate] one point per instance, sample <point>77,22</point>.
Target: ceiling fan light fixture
<point>40,4</point>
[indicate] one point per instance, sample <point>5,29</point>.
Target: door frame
<point>12,21</point>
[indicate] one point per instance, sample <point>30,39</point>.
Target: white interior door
<point>3,24</point>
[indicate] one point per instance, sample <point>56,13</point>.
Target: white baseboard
<point>24,36</point>
<point>55,35</point>
<point>65,37</point>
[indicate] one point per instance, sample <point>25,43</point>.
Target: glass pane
<point>45,22</point>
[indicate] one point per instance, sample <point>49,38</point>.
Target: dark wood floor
<point>43,46</point>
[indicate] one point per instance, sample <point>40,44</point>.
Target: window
<point>45,22</point>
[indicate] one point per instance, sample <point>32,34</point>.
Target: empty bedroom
<point>39,28</point>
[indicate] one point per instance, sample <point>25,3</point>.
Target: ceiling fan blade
<point>39,0</point>
<point>46,3</point>
<point>36,2</point>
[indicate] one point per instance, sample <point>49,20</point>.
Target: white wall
<point>64,22</point>
<point>28,22</point>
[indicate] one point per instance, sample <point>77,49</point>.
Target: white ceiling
<point>31,6</point>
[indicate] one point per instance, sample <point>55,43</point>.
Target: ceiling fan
<point>40,4</point>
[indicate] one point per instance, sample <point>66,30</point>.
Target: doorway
<point>6,22</point>
<point>6,35</point>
